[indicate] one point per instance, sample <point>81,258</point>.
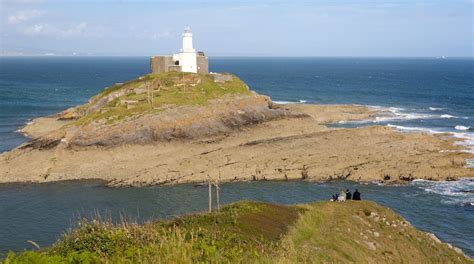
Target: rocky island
<point>173,127</point>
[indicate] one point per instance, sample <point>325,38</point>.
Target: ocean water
<point>42,212</point>
<point>432,95</point>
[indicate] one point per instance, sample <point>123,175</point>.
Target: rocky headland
<point>177,128</point>
<point>254,232</point>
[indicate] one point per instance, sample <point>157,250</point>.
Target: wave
<point>402,114</point>
<point>284,102</point>
<point>467,138</point>
<point>470,163</point>
<point>435,108</point>
<point>459,192</point>
<point>446,116</point>
<point>290,102</point>
<point>459,127</point>
<point>418,129</point>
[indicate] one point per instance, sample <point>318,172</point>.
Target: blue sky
<point>239,27</point>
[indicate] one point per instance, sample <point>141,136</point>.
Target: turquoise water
<point>423,94</point>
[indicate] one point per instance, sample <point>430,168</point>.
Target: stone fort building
<point>187,60</point>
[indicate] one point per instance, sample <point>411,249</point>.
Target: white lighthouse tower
<point>187,60</point>
<point>187,55</point>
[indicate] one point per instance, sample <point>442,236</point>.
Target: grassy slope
<point>175,89</point>
<point>363,232</point>
<point>254,232</point>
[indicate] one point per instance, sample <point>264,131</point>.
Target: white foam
<point>447,116</point>
<point>284,102</point>
<point>398,113</point>
<point>453,192</point>
<point>290,102</point>
<point>467,140</point>
<point>411,129</point>
<point>462,127</point>
<point>469,163</point>
<point>435,108</point>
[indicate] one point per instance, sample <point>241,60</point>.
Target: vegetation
<point>249,232</point>
<point>154,93</point>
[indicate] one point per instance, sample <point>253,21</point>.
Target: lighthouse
<point>187,60</point>
<point>187,56</point>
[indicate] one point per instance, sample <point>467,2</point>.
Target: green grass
<point>341,233</point>
<point>177,89</point>
<point>251,232</point>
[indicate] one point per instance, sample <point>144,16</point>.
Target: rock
<point>458,250</point>
<point>376,234</point>
<point>178,123</point>
<point>432,236</point>
<point>370,245</point>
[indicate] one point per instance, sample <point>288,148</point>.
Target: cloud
<point>165,34</point>
<point>74,30</point>
<point>24,15</point>
<point>44,29</point>
<point>38,29</point>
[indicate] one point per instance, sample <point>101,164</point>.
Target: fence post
<point>210,192</point>
<point>218,189</point>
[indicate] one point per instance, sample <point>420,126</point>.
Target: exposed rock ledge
<point>246,139</point>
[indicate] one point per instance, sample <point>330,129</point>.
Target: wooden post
<point>210,192</point>
<point>217,196</point>
<point>218,191</point>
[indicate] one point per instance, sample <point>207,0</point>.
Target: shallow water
<point>42,212</point>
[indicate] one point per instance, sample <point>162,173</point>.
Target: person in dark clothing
<point>334,197</point>
<point>356,195</point>
<point>348,194</point>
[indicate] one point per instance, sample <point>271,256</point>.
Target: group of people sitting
<point>346,195</point>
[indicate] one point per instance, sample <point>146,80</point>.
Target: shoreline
<point>256,139</point>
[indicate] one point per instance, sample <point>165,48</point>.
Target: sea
<point>431,95</point>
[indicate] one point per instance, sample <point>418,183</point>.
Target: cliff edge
<point>254,232</point>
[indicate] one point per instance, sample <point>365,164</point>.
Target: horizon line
<point>252,56</point>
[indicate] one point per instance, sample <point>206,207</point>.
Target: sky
<point>404,28</point>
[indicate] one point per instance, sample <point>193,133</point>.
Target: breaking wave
<point>447,116</point>
<point>435,108</point>
<point>467,138</point>
<point>459,192</point>
<point>459,127</point>
<point>290,102</point>
<point>402,114</point>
